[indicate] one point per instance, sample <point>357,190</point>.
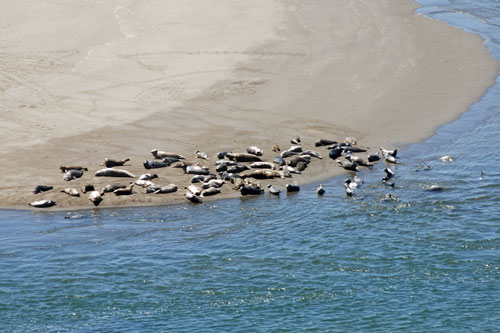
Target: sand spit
<point>117,79</point>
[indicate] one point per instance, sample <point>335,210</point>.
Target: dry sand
<point>84,80</point>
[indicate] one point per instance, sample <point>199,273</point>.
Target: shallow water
<point>429,261</point>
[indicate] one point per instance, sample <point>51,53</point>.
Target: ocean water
<point>427,262</point>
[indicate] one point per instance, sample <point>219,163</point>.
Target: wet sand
<point>117,79</point>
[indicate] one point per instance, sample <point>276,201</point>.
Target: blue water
<point>427,262</point>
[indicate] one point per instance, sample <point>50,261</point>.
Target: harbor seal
<point>393,153</point>
<point>73,192</point>
<point>359,160</point>
<point>301,166</point>
<point>324,142</point>
<point>162,154</point>
<point>72,174</point>
<point>42,203</point>
<point>110,172</point>
<point>88,188</point>
<point>296,159</point>
<point>154,164</point>
<point>202,155</point>
<point>124,191</point>
<point>347,165</point>
<point>196,170</point>
<point>210,191</point>
<point>111,187</point>
<point>66,168</point>
<point>296,140</point>
<point>109,162</point>
<point>223,154</point>
<point>373,158</point>
<point>42,188</point>
<point>262,165</point>
<point>251,189</point>
<point>193,189</point>
<point>335,153</point>
<point>237,168</point>
<point>260,174</point>
<point>320,190</point>
<point>170,188</point>
<point>243,157</point>
<point>312,153</point>
<point>95,197</point>
<point>292,187</point>
<point>213,183</point>
<point>273,189</point>
<point>255,151</point>
<point>148,176</point>
<point>279,160</point>
<point>193,198</point>
<point>143,183</point>
<point>221,167</point>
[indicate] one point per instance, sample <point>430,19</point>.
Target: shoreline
<point>258,100</point>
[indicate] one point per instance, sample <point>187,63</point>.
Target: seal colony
<point>249,172</point>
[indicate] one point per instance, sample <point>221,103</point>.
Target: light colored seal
<point>110,172</point>
<point>200,154</point>
<point>72,174</point>
<point>255,151</point>
<point>193,198</point>
<point>42,203</point>
<point>196,170</point>
<point>273,189</point>
<point>213,183</point>
<point>162,154</point>
<point>388,152</point>
<point>194,189</point>
<point>73,192</point>
<point>95,197</point>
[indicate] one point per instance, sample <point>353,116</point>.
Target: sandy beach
<point>90,80</point>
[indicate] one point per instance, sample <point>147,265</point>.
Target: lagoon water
<point>429,261</point>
